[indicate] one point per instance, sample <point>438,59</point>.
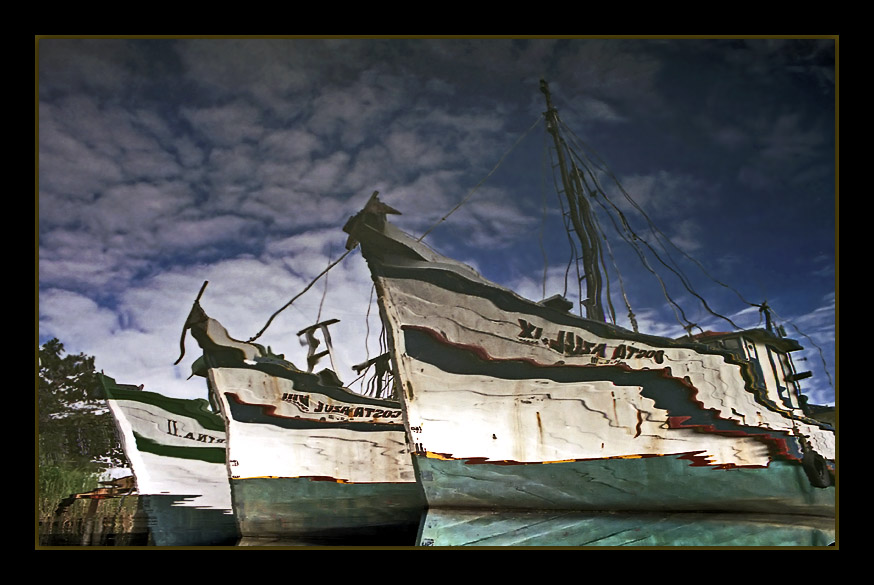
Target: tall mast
<point>580,214</point>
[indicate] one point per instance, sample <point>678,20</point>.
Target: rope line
<point>298,295</point>
<point>324,294</point>
<point>660,236</point>
<point>483,180</point>
<point>544,162</point>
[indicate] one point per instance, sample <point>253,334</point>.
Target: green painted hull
<point>640,485</point>
<point>611,529</point>
<point>306,512</point>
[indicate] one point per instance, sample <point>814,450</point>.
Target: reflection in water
<point>181,496</point>
<point>131,520</point>
<point>616,529</point>
<point>176,449</point>
<point>171,523</point>
<point>136,520</point>
<point>107,516</point>
<point>115,515</point>
<point>311,461</point>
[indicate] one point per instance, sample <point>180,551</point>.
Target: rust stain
<point>777,446</point>
<point>664,372</point>
<point>432,455</point>
<point>694,456</point>
<point>309,477</point>
<point>323,478</point>
<point>615,414</point>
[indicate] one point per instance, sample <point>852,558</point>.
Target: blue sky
<point>167,162</point>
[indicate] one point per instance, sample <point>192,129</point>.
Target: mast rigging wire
<point>574,259</point>
<point>658,233</point>
<point>631,317</point>
<point>298,295</point>
<point>585,163</point>
<point>543,163</point>
<point>324,292</point>
<point>483,180</point>
<point>441,220</point>
<point>662,239</point>
<point>583,189</point>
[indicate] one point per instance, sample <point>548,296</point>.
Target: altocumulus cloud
<point>166,163</point>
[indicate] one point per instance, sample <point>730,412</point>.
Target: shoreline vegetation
<point>76,503</point>
<point>76,508</point>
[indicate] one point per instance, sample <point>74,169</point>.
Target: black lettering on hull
<point>569,344</point>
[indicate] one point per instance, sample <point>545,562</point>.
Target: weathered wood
<point>315,463</point>
<point>277,430</point>
<point>709,384</point>
<point>310,460</point>
<point>510,402</point>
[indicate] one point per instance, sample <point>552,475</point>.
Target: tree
<point>74,423</point>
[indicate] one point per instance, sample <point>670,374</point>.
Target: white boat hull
<point>511,403</point>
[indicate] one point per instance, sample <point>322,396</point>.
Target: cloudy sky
<point>164,163</point>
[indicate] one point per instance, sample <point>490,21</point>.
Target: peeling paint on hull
<point>513,404</point>
<point>316,465</point>
<point>310,461</point>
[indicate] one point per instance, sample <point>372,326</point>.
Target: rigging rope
<point>678,311</point>
<point>631,315</point>
<point>453,210</point>
<point>657,233</point>
<point>603,168</point>
<point>606,273</point>
<point>679,314</point>
<point>483,180</point>
<point>367,324</point>
<point>574,257</point>
<point>324,293</point>
<point>543,163</point>
<point>676,308</point>
<point>298,295</point>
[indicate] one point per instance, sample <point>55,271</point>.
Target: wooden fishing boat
<point>311,462</point>
<point>513,404</point>
<point>176,449</point>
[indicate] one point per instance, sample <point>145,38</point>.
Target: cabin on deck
<point>772,366</point>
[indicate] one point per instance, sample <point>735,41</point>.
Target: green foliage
<point>75,427</point>
<point>59,482</point>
